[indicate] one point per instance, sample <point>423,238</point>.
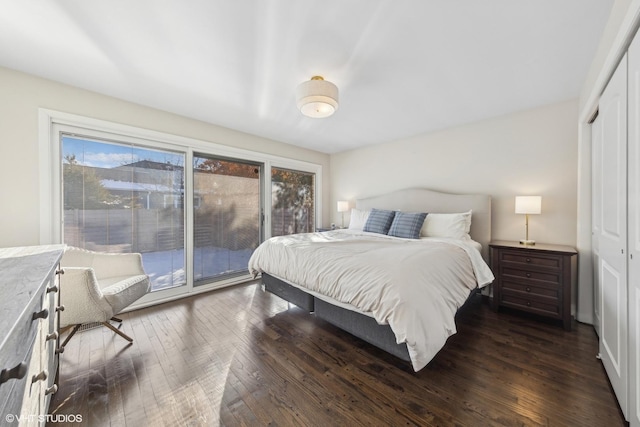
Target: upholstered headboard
<point>424,200</point>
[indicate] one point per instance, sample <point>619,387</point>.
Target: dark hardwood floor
<point>239,356</point>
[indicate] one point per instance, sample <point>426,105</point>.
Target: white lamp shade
<point>343,206</point>
<point>317,98</point>
<point>528,205</point>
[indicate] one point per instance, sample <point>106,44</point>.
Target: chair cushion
<point>121,292</point>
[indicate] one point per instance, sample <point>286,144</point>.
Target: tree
<point>82,187</point>
<point>295,191</point>
<point>222,167</point>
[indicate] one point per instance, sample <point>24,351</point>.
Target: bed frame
<point>408,200</point>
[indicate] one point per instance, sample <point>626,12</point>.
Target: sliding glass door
<point>227,219</point>
<point>120,198</point>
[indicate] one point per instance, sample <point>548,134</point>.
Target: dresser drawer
<point>529,290</point>
<point>531,275</point>
<point>548,308</point>
<point>16,349</point>
<point>12,391</point>
<point>531,259</point>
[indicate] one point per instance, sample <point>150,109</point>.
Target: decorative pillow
<point>407,225</point>
<point>455,225</point>
<point>358,219</point>
<point>379,221</point>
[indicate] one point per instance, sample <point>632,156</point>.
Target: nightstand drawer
<point>532,275</point>
<point>527,290</point>
<point>526,258</point>
<point>532,305</point>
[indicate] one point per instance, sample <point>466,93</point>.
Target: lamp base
<point>528,242</point>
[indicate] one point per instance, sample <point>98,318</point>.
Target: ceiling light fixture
<point>317,97</point>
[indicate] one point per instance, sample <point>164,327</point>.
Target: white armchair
<point>96,286</point>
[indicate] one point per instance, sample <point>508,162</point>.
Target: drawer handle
<point>60,271</point>
<point>40,315</point>
<point>528,274</point>
<point>59,350</point>
<point>54,288</point>
<point>528,289</point>
<point>528,303</point>
<point>528,259</point>
<point>40,377</point>
<point>51,390</point>
<point>60,308</point>
<point>18,372</point>
<point>52,336</point>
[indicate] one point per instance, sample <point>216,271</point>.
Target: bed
<point>397,293</point>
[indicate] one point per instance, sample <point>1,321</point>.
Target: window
<point>115,200</point>
<point>293,202</point>
<point>118,188</point>
<point>227,224</point>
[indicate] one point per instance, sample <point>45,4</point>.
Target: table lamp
<point>343,206</point>
<point>528,205</point>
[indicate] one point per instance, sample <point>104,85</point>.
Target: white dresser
<point>29,318</point>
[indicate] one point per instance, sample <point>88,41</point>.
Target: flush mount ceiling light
<point>317,97</point>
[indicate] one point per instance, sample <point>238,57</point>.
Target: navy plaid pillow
<point>379,221</point>
<point>407,225</point>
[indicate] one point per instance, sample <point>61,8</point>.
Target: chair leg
<point>72,333</point>
<point>65,329</point>
<point>118,331</point>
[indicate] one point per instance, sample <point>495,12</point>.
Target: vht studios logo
<point>49,418</point>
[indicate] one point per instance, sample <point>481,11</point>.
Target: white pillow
<point>454,225</point>
<point>358,219</point>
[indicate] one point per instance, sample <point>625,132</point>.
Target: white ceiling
<point>403,67</point>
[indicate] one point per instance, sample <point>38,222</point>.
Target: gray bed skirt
<point>360,325</point>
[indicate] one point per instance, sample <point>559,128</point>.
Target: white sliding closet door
<point>613,233</point>
<point>634,232</point>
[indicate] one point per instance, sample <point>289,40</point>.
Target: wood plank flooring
<point>239,356</point>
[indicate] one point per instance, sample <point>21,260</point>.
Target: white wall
<point>20,97</point>
<point>532,152</point>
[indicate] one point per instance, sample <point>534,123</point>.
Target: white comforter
<point>415,286</point>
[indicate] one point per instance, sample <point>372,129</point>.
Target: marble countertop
<point>23,272</point>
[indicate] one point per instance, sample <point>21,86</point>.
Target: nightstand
<point>537,278</point>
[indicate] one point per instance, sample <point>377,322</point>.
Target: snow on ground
<point>166,269</point>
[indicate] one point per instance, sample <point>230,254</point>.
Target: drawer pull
<point>59,350</point>
<point>528,303</point>
<point>40,315</point>
<point>60,308</point>
<point>51,390</point>
<point>528,274</point>
<point>528,289</point>
<point>60,271</point>
<point>52,336</point>
<point>528,259</point>
<point>53,288</point>
<point>18,372</point>
<point>40,377</point>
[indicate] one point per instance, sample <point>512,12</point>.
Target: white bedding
<point>415,286</point>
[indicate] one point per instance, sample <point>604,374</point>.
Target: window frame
<point>52,122</point>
